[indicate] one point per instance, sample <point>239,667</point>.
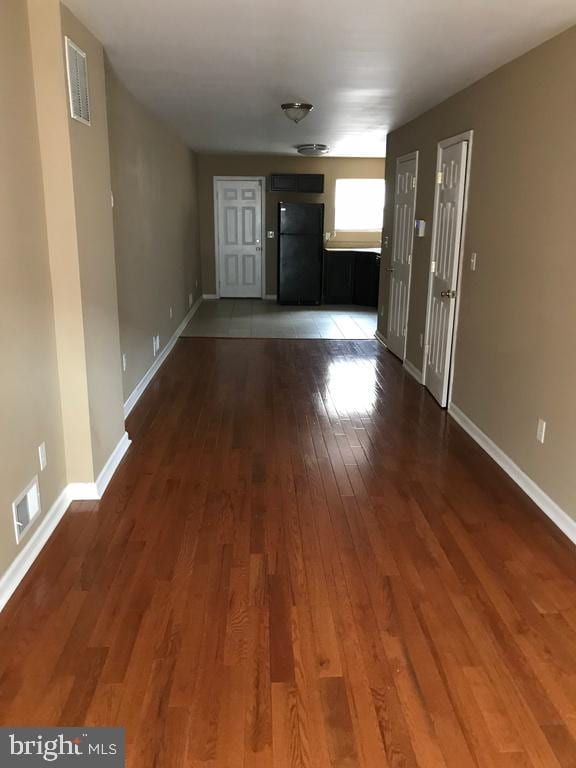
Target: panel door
<point>448,225</point>
<point>401,262</point>
<point>239,247</point>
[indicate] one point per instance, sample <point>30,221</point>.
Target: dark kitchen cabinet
<point>311,182</point>
<point>338,277</point>
<point>297,182</point>
<point>351,277</point>
<point>366,279</point>
<point>284,182</point>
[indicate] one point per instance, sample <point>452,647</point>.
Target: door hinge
<point>409,258</point>
<point>432,267</point>
<point>440,177</point>
<point>414,182</point>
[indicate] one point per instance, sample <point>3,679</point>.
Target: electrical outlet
<point>473,258</point>
<point>190,297</point>
<point>541,431</point>
<point>42,457</point>
<point>171,313</point>
<point>157,343</point>
<point>154,345</point>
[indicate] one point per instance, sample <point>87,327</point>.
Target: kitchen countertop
<point>356,250</point>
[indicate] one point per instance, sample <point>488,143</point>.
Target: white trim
<point>469,137</point>
<point>83,492</point>
<point>559,517</point>
<point>270,297</point>
<point>262,180</point>
<point>209,296</point>
<point>412,370</point>
<point>111,465</point>
<point>95,491</point>
<point>28,553</point>
<point>11,579</point>
<point>138,391</point>
<point>380,338</point>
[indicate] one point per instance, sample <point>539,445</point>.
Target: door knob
<point>448,294</point>
<point>258,248</point>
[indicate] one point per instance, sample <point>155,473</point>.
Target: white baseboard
<point>558,516</point>
<point>19,567</point>
<point>112,464</point>
<point>138,391</point>
<point>270,297</point>
<point>209,296</point>
<point>73,492</point>
<point>83,492</point>
<point>382,339</point>
<point>413,371</point>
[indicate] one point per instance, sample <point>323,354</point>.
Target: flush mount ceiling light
<point>313,150</point>
<point>296,110</point>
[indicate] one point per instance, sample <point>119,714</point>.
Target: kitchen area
<point>310,269</point>
<point>319,248</point>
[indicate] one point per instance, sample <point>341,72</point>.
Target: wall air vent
<point>25,509</point>
<point>77,67</point>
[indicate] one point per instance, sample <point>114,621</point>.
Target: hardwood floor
<point>301,562</point>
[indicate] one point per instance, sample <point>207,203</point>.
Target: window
<point>359,205</point>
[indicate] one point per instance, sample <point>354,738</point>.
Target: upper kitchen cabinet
<point>297,182</point>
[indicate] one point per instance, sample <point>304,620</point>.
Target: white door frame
<point>262,180</point>
<point>415,155</point>
<point>469,137</point>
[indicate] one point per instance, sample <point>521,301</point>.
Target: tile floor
<point>257,318</point>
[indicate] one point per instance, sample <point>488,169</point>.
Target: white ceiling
<point>217,70</point>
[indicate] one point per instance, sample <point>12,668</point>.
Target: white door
<point>401,262</point>
<point>239,237</point>
<point>447,243</point>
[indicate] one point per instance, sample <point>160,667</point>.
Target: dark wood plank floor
<point>303,562</point>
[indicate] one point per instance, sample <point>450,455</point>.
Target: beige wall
<point>29,395</point>
<point>92,195</point>
<point>76,181</point>
<point>263,165</point>
<point>60,212</point>
<point>515,359</point>
<point>156,228</point>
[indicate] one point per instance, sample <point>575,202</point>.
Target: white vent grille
<point>25,509</point>
<point>77,67</point>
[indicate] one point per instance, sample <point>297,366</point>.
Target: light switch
<point>473,261</point>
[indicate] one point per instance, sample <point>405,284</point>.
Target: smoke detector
<point>313,150</point>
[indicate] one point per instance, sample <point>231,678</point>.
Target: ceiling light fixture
<point>296,110</point>
<point>313,150</point>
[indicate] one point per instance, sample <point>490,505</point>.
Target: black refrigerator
<point>300,252</point>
